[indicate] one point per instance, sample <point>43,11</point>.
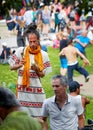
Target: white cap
<point>89,13</point>
<point>76,2</point>
<point>4,44</point>
<point>41,4</point>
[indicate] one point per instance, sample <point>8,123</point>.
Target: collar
<point>53,99</point>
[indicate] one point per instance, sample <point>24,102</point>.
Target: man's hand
<point>18,65</point>
<point>43,123</point>
<point>87,62</point>
<point>35,67</point>
<point>37,70</point>
<point>22,62</point>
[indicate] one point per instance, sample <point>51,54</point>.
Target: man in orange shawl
<point>32,63</point>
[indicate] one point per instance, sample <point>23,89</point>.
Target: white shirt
<point>90,35</point>
<point>28,16</point>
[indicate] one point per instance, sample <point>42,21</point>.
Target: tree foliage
<point>86,5</point>
<point>5,5</point>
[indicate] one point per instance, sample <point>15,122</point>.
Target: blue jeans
<point>77,68</point>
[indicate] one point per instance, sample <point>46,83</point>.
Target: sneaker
<point>87,78</point>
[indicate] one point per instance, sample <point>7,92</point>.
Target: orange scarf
<point>37,58</point>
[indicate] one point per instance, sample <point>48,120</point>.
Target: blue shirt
<point>84,40</point>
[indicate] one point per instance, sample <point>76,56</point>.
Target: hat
<point>41,4</point>
<point>89,13</point>
<point>74,85</point>
<point>7,98</point>
<point>4,44</point>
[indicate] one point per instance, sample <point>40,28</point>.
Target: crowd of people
<point>73,33</point>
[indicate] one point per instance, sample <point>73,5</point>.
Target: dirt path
<point>87,88</point>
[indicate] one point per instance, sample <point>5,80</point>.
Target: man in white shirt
<point>64,111</point>
<point>28,16</point>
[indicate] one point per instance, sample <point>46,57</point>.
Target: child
<point>56,42</point>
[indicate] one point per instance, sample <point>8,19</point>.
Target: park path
<point>86,89</point>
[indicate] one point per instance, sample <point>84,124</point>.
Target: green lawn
<point>10,77</point>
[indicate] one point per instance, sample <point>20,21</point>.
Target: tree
<point>86,5</point>
<point>6,5</point>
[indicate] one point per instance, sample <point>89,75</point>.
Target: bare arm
<point>62,52</point>
<point>8,21</point>
<point>81,121</point>
<point>86,61</point>
<point>17,66</point>
<point>5,55</point>
<point>85,101</point>
<point>45,124</point>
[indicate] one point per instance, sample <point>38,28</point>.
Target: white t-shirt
<point>90,35</point>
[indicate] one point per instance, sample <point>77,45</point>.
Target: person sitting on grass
<point>5,54</point>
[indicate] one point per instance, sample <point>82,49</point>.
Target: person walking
<point>71,53</point>
<point>46,21</point>
<point>32,64</point>
<point>20,28</point>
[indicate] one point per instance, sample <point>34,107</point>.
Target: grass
<point>10,77</point>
